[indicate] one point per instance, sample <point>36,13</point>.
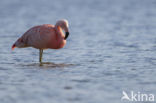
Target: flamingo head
<point>19,43</point>
<point>64,25</point>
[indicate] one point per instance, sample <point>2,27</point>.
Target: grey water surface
<point>111,48</point>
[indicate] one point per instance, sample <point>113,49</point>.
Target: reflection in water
<point>49,65</point>
<point>67,87</point>
<point>81,80</point>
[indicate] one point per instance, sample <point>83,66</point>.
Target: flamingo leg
<point>40,57</point>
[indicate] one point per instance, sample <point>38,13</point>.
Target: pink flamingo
<point>44,36</point>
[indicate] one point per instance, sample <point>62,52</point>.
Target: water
<point>111,48</point>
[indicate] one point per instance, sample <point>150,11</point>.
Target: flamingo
<point>44,36</point>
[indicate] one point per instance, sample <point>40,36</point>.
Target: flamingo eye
<point>20,40</point>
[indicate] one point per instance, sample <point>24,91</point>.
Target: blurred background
<point>111,48</point>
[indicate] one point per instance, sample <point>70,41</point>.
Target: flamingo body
<point>43,37</point>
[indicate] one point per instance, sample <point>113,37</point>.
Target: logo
<point>137,96</point>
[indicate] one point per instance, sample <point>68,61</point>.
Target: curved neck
<point>60,34</point>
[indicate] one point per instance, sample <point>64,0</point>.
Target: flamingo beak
<point>66,36</point>
<point>13,46</point>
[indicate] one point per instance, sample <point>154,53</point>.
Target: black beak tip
<point>66,36</point>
